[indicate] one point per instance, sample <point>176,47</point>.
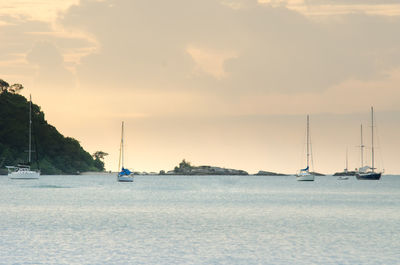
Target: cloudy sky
<point>221,82</point>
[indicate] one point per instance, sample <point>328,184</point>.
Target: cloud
<point>225,49</point>
<point>51,71</point>
<point>290,53</point>
<point>143,45</point>
<point>323,8</point>
<point>161,45</point>
<point>40,10</point>
<point>29,54</point>
<point>351,2</point>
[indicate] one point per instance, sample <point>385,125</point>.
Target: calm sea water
<point>199,220</point>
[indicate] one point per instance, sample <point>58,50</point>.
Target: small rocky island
<point>186,168</point>
<point>269,173</point>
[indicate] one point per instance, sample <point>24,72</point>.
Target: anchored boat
<point>24,171</point>
<point>124,175</point>
<point>305,174</point>
<point>368,173</point>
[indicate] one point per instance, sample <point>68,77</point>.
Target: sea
<point>93,219</point>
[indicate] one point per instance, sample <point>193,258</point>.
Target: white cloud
<point>274,49</point>
<point>324,8</point>
<point>51,71</point>
<point>211,61</point>
<point>41,10</point>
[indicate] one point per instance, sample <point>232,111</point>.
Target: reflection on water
<point>199,220</point>
<point>49,187</point>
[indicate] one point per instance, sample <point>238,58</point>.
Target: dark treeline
<point>53,153</point>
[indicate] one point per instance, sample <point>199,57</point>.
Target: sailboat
<point>23,171</point>
<point>368,173</point>
<point>304,174</point>
<point>346,173</point>
<point>362,168</point>
<point>124,175</point>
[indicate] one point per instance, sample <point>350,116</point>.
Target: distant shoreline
<point>223,172</point>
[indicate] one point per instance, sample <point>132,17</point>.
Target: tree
<point>15,88</point>
<point>99,155</point>
<point>184,167</point>
<point>184,164</point>
<point>3,85</point>
<point>99,159</point>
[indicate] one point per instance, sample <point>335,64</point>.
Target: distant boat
<point>304,174</point>
<point>346,173</point>
<point>23,171</point>
<point>124,175</point>
<point>368,173</point>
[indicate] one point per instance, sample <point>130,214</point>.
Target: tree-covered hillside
<point>54,153</point>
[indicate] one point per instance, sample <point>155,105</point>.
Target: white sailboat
<point>368,173</point>
<point>304,174</point>
<point>124,175</point>
<point>23,171</point>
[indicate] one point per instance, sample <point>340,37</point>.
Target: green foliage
<point>99,159</point>
<point>184,167</point>
<point>15,88</point>
<point>99,155</point>
<point>55,153</point>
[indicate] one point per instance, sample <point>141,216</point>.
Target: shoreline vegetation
<point>53,154</point>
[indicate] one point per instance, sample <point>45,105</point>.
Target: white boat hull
<point>305,177</point>
<point>25,174</point>
<point>125,178</point>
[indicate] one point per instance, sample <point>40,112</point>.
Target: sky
<point>227,83</point>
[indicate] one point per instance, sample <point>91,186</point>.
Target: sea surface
<point>92,219</point>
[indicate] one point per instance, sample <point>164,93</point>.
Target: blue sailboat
<point>125,175</point>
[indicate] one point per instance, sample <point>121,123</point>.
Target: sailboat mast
<point>122,144</point>
<point>30,129</point>
<point>308,140</point>
<point>372,140</point>
<point>121,150</point>
<point>119,158</point>
<point>347,160</point>
<point>362,148</point>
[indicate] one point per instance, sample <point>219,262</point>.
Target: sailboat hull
<point>24,175</point>
<point>307,177</point>
<point>125,179</point>
<point>369,176</point>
